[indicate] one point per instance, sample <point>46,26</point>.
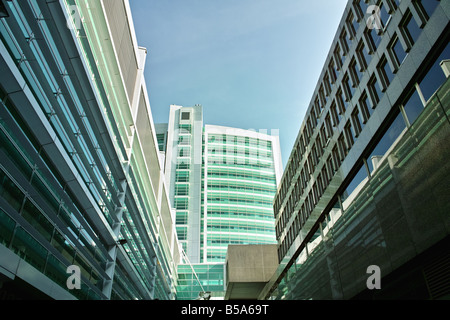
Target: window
<point>365,107</point>
<point>182,176</point>
<point>376,38</point>
<point>309,128</point>
<point>185,129</point>
<point>385,73</point>
<point>362,55</point>
<point>330,167</point>
<point>185,115</point>
<point>345,43</point>
<point>324,136</point>
<point>352,25</point>
<point>389,137</point>
<point>327,84</point>
<point>314,154</point>
<point>374,90</point>
<point>343,148</point>
<point>6,227</point>
<point>360,8</point>
<point>181,189</point>
<point>183,152</point>
<point>328,126</point>
<point>349,89</point>
<point>313,115</point>
<point>426,7</point>
<point>355,74</point>
<point>413,107</point>
<point>369,41</point>
<point>310,165</point>
<point>341,102</point>
<point>410,30</point>
<point>325,177</point>
<point>334,115</point>
<point>357,122</point>
<point>384,15</point>
<point>435,76</point>
<point>302,144</point>
<point>349,135</point>
<point>33,215</point>
<point>356,181</point>
<point>397,52</point>
<point>336,159</point>
<point>319,145</point>
<point>322,97</point>
<point>333,71</point>
<point>184,140</point>
<point>338,56</point>
<point>391,5</point>
<point>181,218</point>
<point>10,192</point>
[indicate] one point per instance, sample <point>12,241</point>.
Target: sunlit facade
<point>240,170</point>
<point>81,183</point>
<point>222,182</point>
<point>367,180</point>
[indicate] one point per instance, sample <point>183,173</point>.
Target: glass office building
<point>222,182</point>
<point>80,179</point>
<point>239,183</point>
<point>366,184</point>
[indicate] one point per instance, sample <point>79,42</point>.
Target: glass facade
<point>75,188</point>
<point>197,278</point>
<point>222,182</point>
<point>399,73</point>
<point>382,218</point>
<point>238,186</point>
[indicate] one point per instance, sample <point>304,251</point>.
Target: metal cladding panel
<point>121,37</point>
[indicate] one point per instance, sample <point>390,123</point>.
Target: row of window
<point>258,189</point>
<point>408,111</point>
<point>237,160</point>
<point>314,141</point>
<point>234,228</point>
<point>72,125</point>
<point>249,202</point>
<point>17,238</point>
<point>239,141</point>
<point>65,113</point>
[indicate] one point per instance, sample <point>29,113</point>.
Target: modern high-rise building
<point>221,183</point>
<point>362,211</point>
<point>81,184</point>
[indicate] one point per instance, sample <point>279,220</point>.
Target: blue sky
<point>251,64</point>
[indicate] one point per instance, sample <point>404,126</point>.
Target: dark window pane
<point>6,228</point>
<point>37,220</point>
<point>375,37</point>
<point>388,72</point>
<point>363,6</point>
<point>25,246</point>
<point>400,54</point>
<point>435,76</point>
<point>413,29</point>
<point>356,181</point>
<point>413,107</point>
<point>384,15</point>
<point>10,192</point>
<point>429,6</point>
<point>387,140</point>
